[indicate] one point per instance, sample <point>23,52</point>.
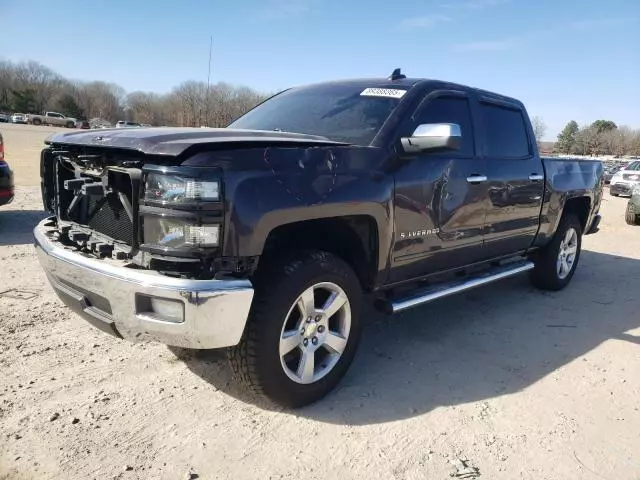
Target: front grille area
<point>109,217</point>
<point>106,202</point>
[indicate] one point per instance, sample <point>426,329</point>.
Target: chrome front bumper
<point>115,298</point>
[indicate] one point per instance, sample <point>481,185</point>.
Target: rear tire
<point>556,263</point>
<point>37,121</point>
<point>282,336</point>
<point>631,216</point>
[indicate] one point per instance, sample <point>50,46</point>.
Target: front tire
<point>631,216</point>
<point>303,329</point>
<point>556,263</point>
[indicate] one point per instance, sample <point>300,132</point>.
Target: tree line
<point>602,137</point>
<point>30,87</point>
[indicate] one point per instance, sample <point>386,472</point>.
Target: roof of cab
<point>409,83</point>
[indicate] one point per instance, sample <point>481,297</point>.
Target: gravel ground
<point>503,382</point>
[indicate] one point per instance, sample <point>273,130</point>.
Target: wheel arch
<point>353,238</point>
<point>580,207</point>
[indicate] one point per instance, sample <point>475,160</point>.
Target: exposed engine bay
<point>97,196</point>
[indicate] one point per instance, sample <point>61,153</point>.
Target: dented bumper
<point>144,305</point>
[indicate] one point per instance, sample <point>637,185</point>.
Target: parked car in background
<point>83,124</point>
<point>52,118</point>
<point>624,179</point>
<point>609,172</point>
<point>98,122</point>
<point>632,215</point>
<point>127,124</point>
<point>19,118</point>
<point>5,117</point>
<point>6,177</point>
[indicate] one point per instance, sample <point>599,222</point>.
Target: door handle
<point>535,177</point>
<point>477,179</point>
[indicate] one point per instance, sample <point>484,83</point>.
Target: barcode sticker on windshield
<point>383,92</point>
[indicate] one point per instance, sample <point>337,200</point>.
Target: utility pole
<point>209,79</point>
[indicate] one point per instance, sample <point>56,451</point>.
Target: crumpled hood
<point>175,140</point>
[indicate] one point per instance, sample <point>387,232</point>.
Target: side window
<point>451,110</point>
<point>505,132</point>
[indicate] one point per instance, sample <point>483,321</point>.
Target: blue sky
<point>565,59</point>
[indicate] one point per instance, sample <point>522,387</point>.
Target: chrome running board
<point>434,292</point>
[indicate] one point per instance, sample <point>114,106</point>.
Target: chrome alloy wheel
<point>315,333</point>
<point>567,253</point>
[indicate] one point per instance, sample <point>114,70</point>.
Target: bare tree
<point>539,129</point>
<point>101,99</point>
<point>41,80</point>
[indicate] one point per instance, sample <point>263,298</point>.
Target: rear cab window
<point>504,131</point>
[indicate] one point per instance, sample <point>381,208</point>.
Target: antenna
<point>208,81</point>
<point>397,75</point>
<point>209,70</point>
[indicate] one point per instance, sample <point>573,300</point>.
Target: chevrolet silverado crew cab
<point>265,236</point>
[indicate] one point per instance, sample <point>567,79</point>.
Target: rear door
<point>515,177</point>
<point>439,200</point>
<point>53,118</point>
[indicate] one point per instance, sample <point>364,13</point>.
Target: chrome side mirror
<point>433,136</point>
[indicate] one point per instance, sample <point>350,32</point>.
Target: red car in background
<point>6,178</point>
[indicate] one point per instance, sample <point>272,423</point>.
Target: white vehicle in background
<point>623,180</point>
<point>127,124</point>
<point>18,118</point>
<point>52,118</point>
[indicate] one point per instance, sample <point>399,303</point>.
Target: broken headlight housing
<point>179,233</point>
<point>181,210</point>
<point>177,189</point>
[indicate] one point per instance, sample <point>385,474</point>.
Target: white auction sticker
<point>383,92</point>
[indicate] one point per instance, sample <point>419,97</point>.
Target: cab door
<point>440,198</point>
<point>515,178</point>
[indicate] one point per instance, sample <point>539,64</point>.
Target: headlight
<point>176,233</point>
<point>178,189</point>
<point>181,210</point>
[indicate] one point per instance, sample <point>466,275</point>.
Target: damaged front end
<point>131,247</point>
<point>119,204</point>
<point>94,197</point>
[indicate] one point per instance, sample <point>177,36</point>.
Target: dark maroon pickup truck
<point>265,236</point>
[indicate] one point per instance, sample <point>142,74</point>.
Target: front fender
<point>274,186</point>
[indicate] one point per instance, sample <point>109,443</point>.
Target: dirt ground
<point>507,380</point>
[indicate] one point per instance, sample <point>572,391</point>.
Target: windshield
<point>345,112</point>
<point>633,166</point>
